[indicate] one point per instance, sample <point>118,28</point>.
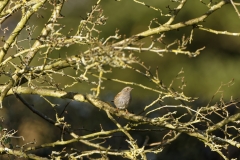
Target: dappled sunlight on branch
<point>63,74</point>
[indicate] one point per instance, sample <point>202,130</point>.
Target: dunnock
<point>122,99</point>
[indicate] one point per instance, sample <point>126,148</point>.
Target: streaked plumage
<point>123,98</point>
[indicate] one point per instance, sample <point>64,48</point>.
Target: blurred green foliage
<point>217,64</point>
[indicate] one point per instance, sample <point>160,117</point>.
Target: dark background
<point>217,64</point>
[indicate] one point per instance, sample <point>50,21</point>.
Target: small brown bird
<point>122,99</point>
